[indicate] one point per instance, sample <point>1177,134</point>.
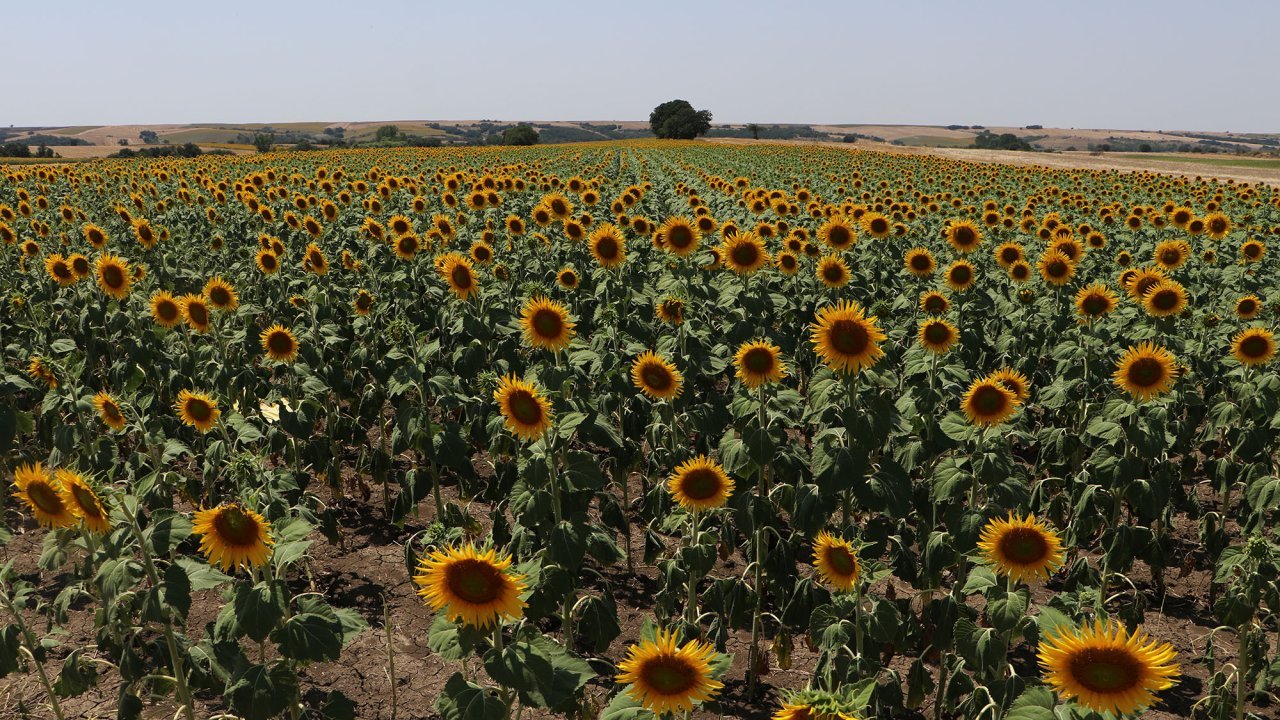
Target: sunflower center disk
<point>280,343</point>
<point>989,400</point>
<point>235,527</point>
<point>701,485</point>
<point>475,582</point>
<point>656,377</point>
<point>88,504</point>
<point>1105,670</point>
<point>547,324</point>
<point>1255,347</point>
<point>1146,372</point>
<point>199,409</point>
<point>525,408</point>
<point>842,561</point>
<point>1024,546</point>
<point>112,276</point>
<point>669,676</point>
<point>45,498</point>
<point>848,337</point>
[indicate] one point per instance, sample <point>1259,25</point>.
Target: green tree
<point>148,136</point>
<point>520,135</point>
<point>676,119</point>
<point>754,129</point>
<point>387,132</point>
<point>264,141</point>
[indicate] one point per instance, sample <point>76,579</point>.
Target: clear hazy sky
<point>1132,64</point>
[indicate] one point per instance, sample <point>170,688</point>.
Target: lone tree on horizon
<point>677,120</point>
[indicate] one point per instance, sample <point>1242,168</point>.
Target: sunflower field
<point>636,430</point>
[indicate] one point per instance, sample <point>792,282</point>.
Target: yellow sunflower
<point>1252,250</point>
<point>1056,268</point>
<point>267,261</point>
<point>876,225</point>
<point>1165,299</point>
<point>937,335</point>
<point>919,262</point>
<point>608,246</point>
<point>527,414</point>
<point>471,586</point>
<point>964,236</point>
<point>1146,371</point>
<point>546,324</point>
<point>279,343</point>
<point>42,493</point>
<point>744,253</point>
<point>1217,225</point>
<point>233,536</point>
<point>166,311</point>
<point>114,276</point>
<point>700,484</point>
<point>1107,669</point>
<point>988,402</point>
<point>1094,301</point>
<point>59,270</point>
<point>837,233</point>
<point>1013,381</point>
<point>1248,307</point>
<point>197,410</point>
<point>759,362</point>
<point>846,338</point>
<point>460,276</point>
<point>656,376</point>
<point>670,310</point>
<point>833,272</point>
<point>83,502</point>
<point>1254,346</point>
<point>108,410</point>
<point>567,278</point>
<point>961,275</point>
<point>1021,548</point>
<point>669,679</point>
<point>363,303</point>
<point>1008,254</point>
<point>40,371</point>
<point>1020,271</point>
<point>195,310</point>
<point>787,262</point>
<point>934,302</point>
<point>680,237</point>
<point>222,296</point>
<point>836,561</point>
<point>1172,254</point>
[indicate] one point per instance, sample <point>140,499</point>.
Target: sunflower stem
<point>30,640</point>
<point>179,670</point>
<point>691,605</point>
<point>757,619</point>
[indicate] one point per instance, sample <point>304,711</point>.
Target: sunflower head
<point>833,272</point>
<point>1254,346</point>
<point>525,411</point>
<point>471,586</point>
<point>1094,301</point>
<point>80,497</point>
<point>1106,668</point>
<point>961,275</point>
<point>964,236</point>
<point>700,484</point>
<point>546,324</point>
<point>1056,268</point>
<point>108,410</point>
<point>837,233</point>
<point>42,493</point>
<point>1248,307</point>
<point>934,303</point>
<point>680,237</point>
<point>656,377</point>
<point>847,339</point>
<point>987,402</point>
<point>233,536</point>
<point>837,562</point>
<point>114,276</point>
<point>221,295</point>
<point>744,253</point>
<point>1146,371</point>
<point>197,410</point>
<point>608,246</point>
<point>1021,548</point>
<point>279,343</point>
<point>670,310</point>
<point>919,262</point>
<point>666,678</point>
<point>937,335</point>
<point>1165,299</point>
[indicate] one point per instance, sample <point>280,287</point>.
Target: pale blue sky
<point>1133,64</point>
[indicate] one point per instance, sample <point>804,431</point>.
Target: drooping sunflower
<point>668,679</point>
<point>1022,549</point>
<point>222,296</point>
<point>108,410</point>
<point>670,310</point>
<point>680,236</point>
<point>363,303</point>
<point>1056,268</point>
<point>1013,381</point>
<point>700,484</point>
<point>546,324</point>
<point>42,493</point>
<point>197,410</point>
<point>471,586</point>
<point>797,709</point>
<point>526,412</point>
<point>195,311</point>
<point>460,276</point>
<point>656,377</point>
<point>608,246</point>
<point>80,498</point>
<point>846,338</point>
<point>833,272</point>
<point>1248,307</point>
<point>837,233</point>
<point>934,302</point>
<point>1146,371</point>
<point>233,536</point>
<point>961,275</point>
<point>1217,225</point>
<point>919,262</point>
<point>1094,301</point>
<point>1107,669</point>
<point>40,371</point>
<point>59,270</point>
<point>937,335</point>
<point>166,311</point>
<point>836,561</point>
<point>114,276</point>
<point>964,236</point>
<point>1165,299</point>
<point>988,402</point>
<point>279,343</point>
<point>314,260</point>
<point>759,362</point>
<point>1008,254</point>
<point>744,253</point>
<point>1254,346</point>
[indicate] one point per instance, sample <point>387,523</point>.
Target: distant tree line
<point>23,150</point>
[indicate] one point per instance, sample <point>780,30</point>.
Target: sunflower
<point>279,343</point>
<point>1248,307</point>
<point>798,710</point>
<point>833,272</point>
<point>471,586</point>
<point>846,338</point>
<point>546,324</point>
<point>964,236</point>
<point>233,536</point>
<point>836,561</point>
<point>1254,346</point>
<point>876,225</point>
<point>1181,217</point>
<point>268,262</point>
<point>95,236</point>
<point>482,252</point>
<point>400,224</point>
<point>1217,225</point>
<point>1146,371</point>
<point>1107,669</point>
<point>934,302</point>
<point>1165,299</point>
<point>1252,250</point>
<point>83,502</point>
<point>1140,281</point>
<point>1021,548</point>
<point>60,270</point>
<point>787,262</point>
<point>558,205</point>
<point>525,411</point>
<point>669,679</point>
<point>1172,254</point>
<point>744,253</point>
<point>363,303</point>
<point>42,493</point>
<point>1094,301</point>
<point>1008,254</point>
<point>961,275</point>
<point>166,311</point>
<point>461,278</point>
<point>195,310</point>
<point>39,370</point>
<point>314,260</point>
<point>919,262</point>
<point>407,246</point>
<point>608,246</point>
<point>759,362</point>
<point>197,410</point>
<point>1056,268</point>
<point>145,234</point>
<point>680,236</point>
<point>937,335</point>
<point>671,311</point>
<point>1013,381</point>
<point>656,376</point>
<point>837,233</point>
<point>114,276</point>
<point>700,484</point>
<point>567,278</point>
<point>222,296</point>
<point>108,410</point>
<point>988,402</point>
<point>1069,247</point>
<point>1020,271</point>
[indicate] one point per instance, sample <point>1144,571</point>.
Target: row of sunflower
<point>934,421</point>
